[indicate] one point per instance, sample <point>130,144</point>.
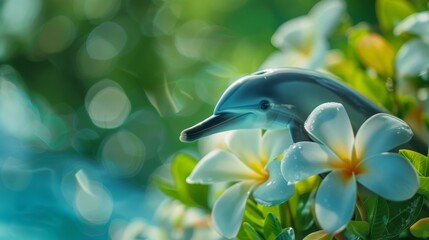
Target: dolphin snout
<point>214,124</point>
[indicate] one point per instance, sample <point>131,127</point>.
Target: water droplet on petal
<point>296,176</point>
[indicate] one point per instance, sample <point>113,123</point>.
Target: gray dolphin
<point>284,97</point>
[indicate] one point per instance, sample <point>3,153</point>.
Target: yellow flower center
<point>348,167</point>
<point>258,166</point>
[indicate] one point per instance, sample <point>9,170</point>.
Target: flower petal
<point>228,210</point>
<point>389,175</point>
<point>412,58</point>
<point>296,34</point>
<point>245,144</point>
<point>318,54</point>
<point>288,58</point>
<point>330,125</point>
<point>220,166</point>
<point>417,23</point>
<point>275,190</point>
<point>335,201</point>
<point>326,15</point>
<point>380,133</point>
<point>212,142</point>
<point>305,159</point>
<point>275,142</point>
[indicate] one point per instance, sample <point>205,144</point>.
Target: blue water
<point>38,195</point>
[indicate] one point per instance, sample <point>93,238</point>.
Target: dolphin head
<point>253,101</point>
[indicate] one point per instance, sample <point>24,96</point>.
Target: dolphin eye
<point>264,105</point>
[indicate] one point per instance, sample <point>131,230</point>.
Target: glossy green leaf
<point>421,164</point>
<point>390,13</point>
<point>420,229</point>
<point>254,215</point>
<point>424,186</point>
<point>272,227</point>
<point>251,232</point>
<point>389,219</point>
<point>252,210</point>
<point>190,194</point>
<point>319,235</point>
<point>357,230</point>
<point>286,234</point>
<point>378,214</point>
<point>419,161</point>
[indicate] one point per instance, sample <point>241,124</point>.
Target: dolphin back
<point>308,89</point>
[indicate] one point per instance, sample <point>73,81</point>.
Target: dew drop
<point>296,177</point>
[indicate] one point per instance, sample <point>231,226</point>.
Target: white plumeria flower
<point>303,40</point>
<point>351,161</point>
<point>417,24</point>
<point>252,166</point>
<point>413,57</point>
<point>177,221</point>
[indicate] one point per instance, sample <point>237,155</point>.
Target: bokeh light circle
<point>123,154</point>
<point>95,206</point>
<point>57,34</point>
<point>107,104</point>
<point>106,41</point>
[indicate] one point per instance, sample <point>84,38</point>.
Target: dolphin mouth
<point>213,124</point>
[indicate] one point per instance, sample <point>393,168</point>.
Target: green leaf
<point>304,217</point>
<point>389,219</point>
<point>407,104</point>
<point>390,13</point>
<point>166,187</point>
<point>378,214</point>
<point>424,186</point>
<point>253,210</point>
<point>272,227</point>
<point>421,164</point>
<point>356,33</point>
<point>358,230</point>
<point>319,235</point>
<point>251,232</point>
<point>190,194</point>
<point>419,161</point>
<point>286,234</point>
<point>254,215</point>
<point>420,229</point>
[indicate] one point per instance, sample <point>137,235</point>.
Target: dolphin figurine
<point>284,97</point>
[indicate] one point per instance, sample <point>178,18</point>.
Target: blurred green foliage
<point>171,59</point>
<point>117,80</point>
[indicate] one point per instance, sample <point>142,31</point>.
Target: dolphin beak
<point>214,124</point>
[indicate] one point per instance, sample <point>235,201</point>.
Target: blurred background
<point>94,95</point>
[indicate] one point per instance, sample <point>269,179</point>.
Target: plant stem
<point>391,82</point>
